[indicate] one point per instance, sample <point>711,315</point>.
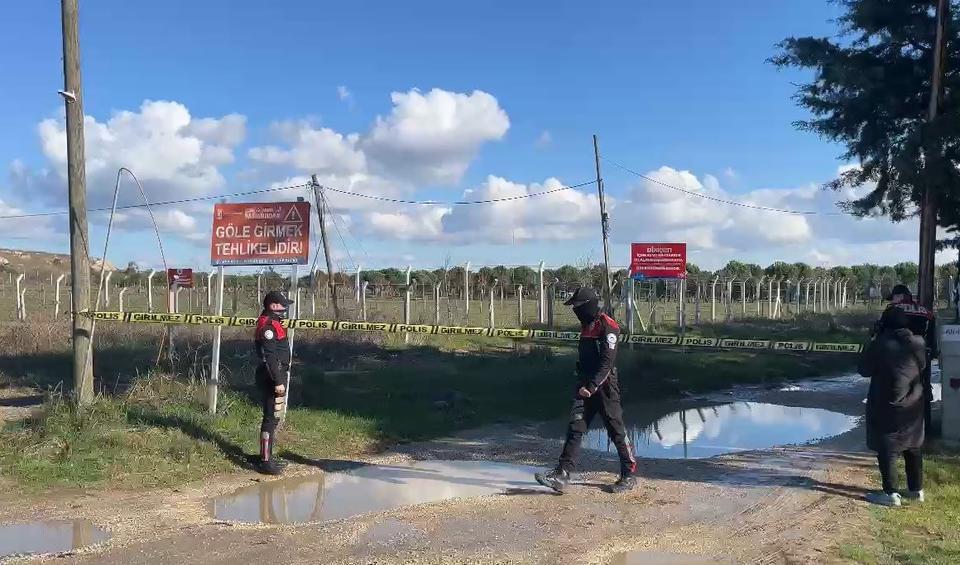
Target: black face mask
<point>587,313</point>
<point>278,314</point>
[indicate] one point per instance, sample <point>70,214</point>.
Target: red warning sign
<point>658,260</point>
<point>182,278</point>
<point>275,233</point>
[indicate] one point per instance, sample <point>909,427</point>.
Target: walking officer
<point>597,393</point>
<point>273,352</point>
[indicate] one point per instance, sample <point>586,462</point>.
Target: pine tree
<point>871,93</point>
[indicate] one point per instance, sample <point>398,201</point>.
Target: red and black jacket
<point>273,349</point>
<point>598,352</point>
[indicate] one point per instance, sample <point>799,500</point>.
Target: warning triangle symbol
<point>293,216</point>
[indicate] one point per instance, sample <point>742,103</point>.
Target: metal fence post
<point>520,306</point>
<point>492,316</point>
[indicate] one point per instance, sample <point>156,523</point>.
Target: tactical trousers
<point>268,425</point>
<point>605,403</point>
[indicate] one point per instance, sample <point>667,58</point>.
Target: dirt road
<point>792,504</point>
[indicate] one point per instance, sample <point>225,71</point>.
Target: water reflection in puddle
<point>371,488</point>
<point>48,537</point>
<point>710,430</point>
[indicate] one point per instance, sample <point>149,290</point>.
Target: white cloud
<point>429,137</point>
<point>316,150</point>
<point>344,94</point>
<point>561,215</point>
<point>424,224</point>
<point>433,137</point>
<point>172,153</point>
<point>656,208</point>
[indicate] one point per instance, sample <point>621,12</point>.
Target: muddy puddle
<point>48,537</point>
<point>369,488</point>
<point>710,429</point>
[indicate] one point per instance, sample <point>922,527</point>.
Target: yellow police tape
<point>511,333</point>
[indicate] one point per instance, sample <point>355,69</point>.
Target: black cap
<point>900,289</point>
<point>275,297</point>
<point>582,296</point>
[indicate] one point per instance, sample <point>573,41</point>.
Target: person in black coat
<point>894,362</point>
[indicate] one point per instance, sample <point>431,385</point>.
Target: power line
<point>163,203</point>
<point>721,200</point>
<point>355,238</point>
<point>336,226</point>
<point>457,202</point>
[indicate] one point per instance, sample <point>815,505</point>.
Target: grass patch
<point>157,434</point>
<point>918,533</point>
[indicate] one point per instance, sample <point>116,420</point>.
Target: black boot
<point>625,483</point>
<point>267,465</point>
<point>270,468</point>
<point>557,479</point>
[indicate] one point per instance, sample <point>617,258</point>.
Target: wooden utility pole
<point>77,189</point>
<point>605,227</point>
<point>321,204</point>
<point>929,204</point>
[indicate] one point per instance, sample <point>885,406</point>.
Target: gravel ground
<point>778,505</point>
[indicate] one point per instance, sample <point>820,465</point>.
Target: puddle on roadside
<point>661,558</point>
<point>48,537</point>
<point>371,488</point>
<point>715,429</point>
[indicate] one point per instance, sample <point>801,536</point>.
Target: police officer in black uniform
<point>923,323</point>
<point>597,393</point>
<point>273,352</point>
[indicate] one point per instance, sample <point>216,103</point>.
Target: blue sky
<point>495,98</point>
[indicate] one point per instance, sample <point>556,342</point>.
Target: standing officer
<point>273,352</point>
<point>923,323</point>
<point>598,392</point>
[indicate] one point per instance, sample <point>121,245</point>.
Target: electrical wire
<point>457,202</point>
<point>106,247</point>
<point>721,200</point>
<point>336,226</point>
<point>162,203</point>
<point>354,237</point>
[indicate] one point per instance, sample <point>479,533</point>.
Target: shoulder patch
<point>268,334</point>
<point>612,341</point>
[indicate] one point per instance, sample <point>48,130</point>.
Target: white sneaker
<point>916,496</point>
<point>884,499</point>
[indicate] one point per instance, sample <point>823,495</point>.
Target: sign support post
<point>294,314</point>
<point>213,386</point>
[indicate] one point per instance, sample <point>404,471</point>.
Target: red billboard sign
<point>276,233</point>
<point>658,260</point>
<point>182,278</point>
